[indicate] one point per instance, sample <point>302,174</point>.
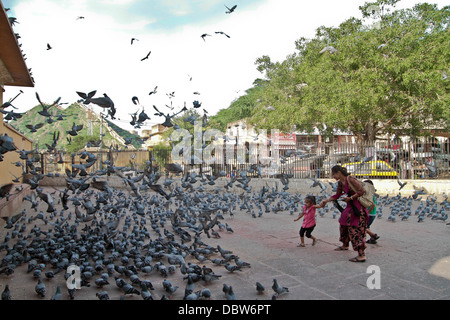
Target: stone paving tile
<point>414,259</point>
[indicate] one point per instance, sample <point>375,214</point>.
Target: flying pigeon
<point>329,49</point>
<point>230,10</point>
<point>401,184</point>
<point>34,128</point>
<point>203,36</point>
<point>75,129</point>
<point>221,32</point>
<point>146,57</point>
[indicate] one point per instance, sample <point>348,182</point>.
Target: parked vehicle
<point>370,169</point>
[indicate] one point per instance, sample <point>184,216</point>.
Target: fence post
<point>150,156</point>
<point>42,164</point>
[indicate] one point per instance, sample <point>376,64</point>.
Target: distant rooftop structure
<point>13,70</point>
<point>154,136</point>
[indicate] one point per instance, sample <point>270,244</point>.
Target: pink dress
<point>309,219</point>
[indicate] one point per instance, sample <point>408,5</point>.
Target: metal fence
<point>381,160</point>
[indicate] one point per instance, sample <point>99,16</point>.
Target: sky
<point>95,52</point>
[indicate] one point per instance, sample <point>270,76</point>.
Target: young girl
<point>309,221</point>
<point>372,215</point>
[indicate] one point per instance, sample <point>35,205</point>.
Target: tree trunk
<point>370,134</point>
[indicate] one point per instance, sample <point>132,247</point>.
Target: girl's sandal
<point>301,245</point>
<point>340,249</point>
<point>355,259</point>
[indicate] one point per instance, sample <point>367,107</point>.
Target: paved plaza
<point>410,261</point>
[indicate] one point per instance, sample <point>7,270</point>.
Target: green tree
<point>243,107</point>
<point>388,77</point>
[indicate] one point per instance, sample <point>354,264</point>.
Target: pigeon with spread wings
<point>146,57</point>
<point>87,97</point>
<point>167,123</point>
<point>34,128</point>
<point>221,32</point>
<point>203,36</point>
<point>44,112</point>
<point>230,10</point>
<point>75,129</point>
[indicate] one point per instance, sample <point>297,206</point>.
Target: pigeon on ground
<point>146,295</point>
<point>103,295</point>
<point>57,295</point>
<point>129,289</point>
<point>40,288</point>
<point>229,295</point>
<point>279,289</point>
<point>6,294</point>
<point>260,288</point>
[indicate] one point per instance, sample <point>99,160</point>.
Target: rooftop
<point>13,69</point>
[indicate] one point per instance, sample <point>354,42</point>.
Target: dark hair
<point>337,168</point>
<point>312,199</point>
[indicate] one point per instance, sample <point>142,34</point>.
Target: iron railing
<point>382,159</point>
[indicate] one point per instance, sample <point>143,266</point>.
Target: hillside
<point>75,113</point>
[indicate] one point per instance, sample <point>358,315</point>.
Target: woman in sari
<point>354,218</point>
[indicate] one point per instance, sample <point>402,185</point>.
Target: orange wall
<point>21,142</point>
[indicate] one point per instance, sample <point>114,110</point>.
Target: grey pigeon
<point>100,282</point>
<point>146,295</point>
<point>260,288</point>
<point>6,144</point>
<point>232,268</point>
<point>279,289</point>
<point>417,193</point>
<point>433,170</point>
<point>103,295</point>
<point>401,184</point>
<point>229,295</point>
<point>169,288</point>
<point>6,294</point>
<point>57,295</point>
<point>329,49</point>
<point>75,129</point>
<point>205,293</point>
<point>231,10</point>
<point>40,288</point>
<point>190,286</point>
<point>129,289</point>
<point>34,128</point>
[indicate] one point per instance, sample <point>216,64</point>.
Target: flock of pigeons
<point>159,228</point>
<point>118,238</point>
<point>106,102</point>
<point>112,233</point>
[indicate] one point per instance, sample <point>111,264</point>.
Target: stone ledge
<point>383,186</point>
<point>9,207</point>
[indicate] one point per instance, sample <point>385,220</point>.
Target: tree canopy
<point>386,76</point>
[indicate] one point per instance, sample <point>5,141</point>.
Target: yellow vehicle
<point>370,169</point>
